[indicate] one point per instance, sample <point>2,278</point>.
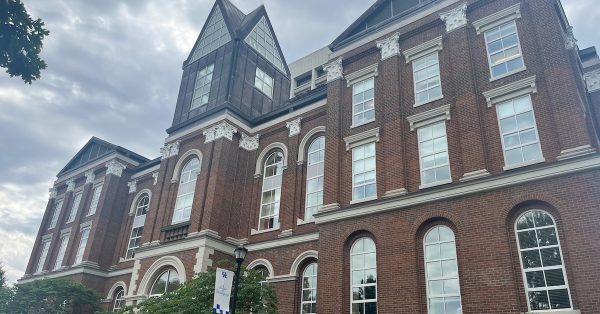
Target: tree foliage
<point>5,291</point>
<point>51,296</point>
<point>20,41</point>
<point>196,296</point>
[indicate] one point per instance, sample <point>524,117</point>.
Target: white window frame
<point>441,260</point>
<point>204,77</point>
<point>43,255</point>
<point>421,156</point>
<point>262,79</point>
<point>352,269</point>
<point>489,56</point>
<point>96,193</point>
<point>75,206</point>
<point>356,113</point>
<point>535,128</point>
<point>273,184</point>
<point>539,248</point>
<point>318,169</point>
<point>169,271</point>
<point>85,235</point>
<point>138,222</point>
<point>64,241</point>
<point>192,179</point>
<point>118,300</point>
<point>436,65</point>
<point>310,288</point>
<point>56,213</point>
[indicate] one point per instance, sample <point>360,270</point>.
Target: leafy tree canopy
<point>196,296</point>
<point>20,41</point>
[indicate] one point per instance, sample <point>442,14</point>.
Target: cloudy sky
<point>114,69</point>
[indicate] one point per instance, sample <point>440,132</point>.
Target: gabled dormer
<point>236,65</point>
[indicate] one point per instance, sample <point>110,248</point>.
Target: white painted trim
<point>429,117</point>
<point>258,171</point>
<point>255,232</point>
<point>436,183</point>
<point>362,138</point>
<point>510,91</point>
<point>303,238</point>
<point>78,270</point>
<point>570,166</point>
<point>362,74</point>
<point>183,245</point>
<point>145,172</point>
<point>473,175</point>
<point>232,118</point>
<point>507,74</point>
<point>576,152</point>
<point>65,231</point>
<point>555,312</point>
<point>113,289</point>
<point>506,15</point>
<point>262,262</point>
<point>362,200</point>
<point>295,269</point>
<point>304,142</point>
<point>282,278</point>
<point>524,164</point>
<point>182,159</point>
<point>394,193</point>
<point>157,266</point>
<point>423,49</point>
<point>133,207</point>
<point>86,224</point>
<point>102,162</point>
<point>393,27</point>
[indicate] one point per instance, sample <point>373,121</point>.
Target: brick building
<point>440,156</point>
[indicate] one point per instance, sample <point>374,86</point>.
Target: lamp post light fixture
<point>240,254</point>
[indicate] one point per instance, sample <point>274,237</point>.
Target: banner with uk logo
<point>223,284</point>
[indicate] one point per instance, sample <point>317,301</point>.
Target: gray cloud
<point>114,69</point>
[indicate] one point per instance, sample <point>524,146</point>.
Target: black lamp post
<point>240,255</point>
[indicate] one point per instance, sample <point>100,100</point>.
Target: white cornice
<point>423,49</point>
<point>283,242</point>
<point>570,166</point>
<point>81,269</point>
<point>455,18</point>
<point>511,13</point>
<point>362,138</point>
<point>102,161</point>
<point>428,117</point>
<point>362,74</point>
<point>509,91</point>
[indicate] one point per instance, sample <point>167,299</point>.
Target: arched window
<point>309,290</point>
<point>168,281</point>
<point>118,300</point>
<point>441,271</point>
<point>187,187</point>
<point>314,178</point>
<point>542,263</point>
<point>271,192</point>
<point>141,208</point>
<point>363,273</point>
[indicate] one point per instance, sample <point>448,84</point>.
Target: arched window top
<point>133,210</point>
<point>167,281</point>
<point>363,276</point>
<point>309,289</point>
<point>363,245</point>
<point>274,164</point>
<point>267,152</point>
<point>439,234</point>
<point>184,161</point>
<point>186,191</point>
<point>142,205</point>
<point>259,264</point>
<point>302,148</point>
<point>534,219</point>
<point>190,169</point>
<point>316,151</point>
<point>118,300</point>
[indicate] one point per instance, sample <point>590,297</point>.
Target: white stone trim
<point>510,91</point>
<point>260,160</point>
<point>389,47</point>
<point>295,269</point>
<point>113,289</point>
<point>428,117</point>
<point>362,200</point>
<point>304,142</point>
<point>114,167</point>
<point>221,130</point>
<point>455,18</point>
<point>294,126</point>
<point>506,15</point>
<point>262,262</point>
<point>145,172</point>
<point>87,224</point>
<point>158,265</point>
<point>282,278</point>
<point>70,185</point>
<point>474,175</point>
<point>362,74</point>
<point>303,238</point>
<point>555,312</point>
<point>423,49</point>
<point>362,138</point>
<point>249,143</point>
<point>132,186</point>
<point>53,193</point>
<point>334,69</point>
<point>203,260</point>
<point>133,207</point>
<point>170,150</point>
<point>592,80</point>
<point>330,207</point>
<point>570,40</point>
<point>576,152</point>
<point>525,176</point>
<point>65,231</point>
<point>102,161</point>
<point>190,243</point>
<point>47,237</point>
<point>394,193</point>
<point>184,158</point>
<point>155,177</point>
<point>79,269</point>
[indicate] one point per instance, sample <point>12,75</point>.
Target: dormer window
<point>264,83</point>
<point>202,88</point>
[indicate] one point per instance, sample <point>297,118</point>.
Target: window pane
<point>538,300</point>
<point>531,259</point>
<point>554,277</point>
<point>535,279</point>
<point>551,257</point>
<point>559,299</point>
<point>527,239</point>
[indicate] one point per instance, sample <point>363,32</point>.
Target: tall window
<point>314,177</point>
<point>64,241</point>
<point>519,132</point>
<point>138,224</point>
<point>95,199</point>
<point>363,268</point>
<point>202,87</point>
<point>187,187</point>
<point>75,207</point>
<point>504,50</point>
<point>542,263</point>
<point>118,300</point>
<point>364,181</point>
<point>433,154</point>
<point>56,213</point>
<point>441,271</point>
<point>426,74</point>
<point>271,192</point>
<point>363,102</point>
<point>43,256</point>
<point>309,289</point>
<point>263,82</point>
<point>85,233</point>
<point>168,281</point>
